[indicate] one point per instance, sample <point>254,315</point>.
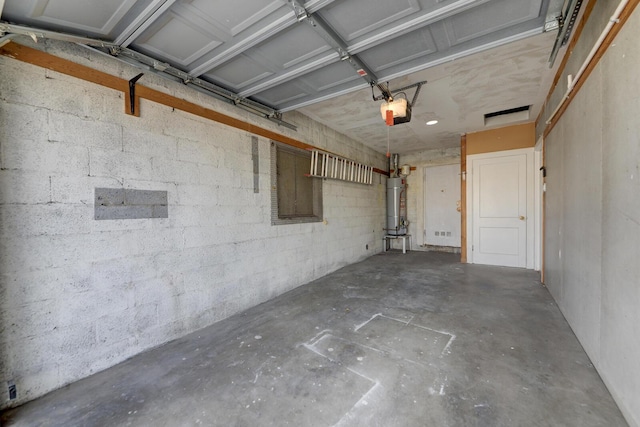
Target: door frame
<point>531,211</point>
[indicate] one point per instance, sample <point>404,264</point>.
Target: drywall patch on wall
<point>124,203</point>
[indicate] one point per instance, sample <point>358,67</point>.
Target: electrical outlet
<point>13,390</point>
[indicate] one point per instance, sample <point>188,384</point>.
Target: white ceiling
<point>457,94</point>
<point>478,56</point>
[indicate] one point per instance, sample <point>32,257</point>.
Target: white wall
<point>79,295</point>
<point>592,248</point>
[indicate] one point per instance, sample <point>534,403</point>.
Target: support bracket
<point>386,94</point>
<point>142,61</point>
<point>131,105</point>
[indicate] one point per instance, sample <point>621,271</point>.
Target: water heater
<point>397,206</point>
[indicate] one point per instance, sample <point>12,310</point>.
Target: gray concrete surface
<point>592,207</point>
<point>395,340</point>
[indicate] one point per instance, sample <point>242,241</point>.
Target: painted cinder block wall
<point>79,295</point>
<point>592,213</point>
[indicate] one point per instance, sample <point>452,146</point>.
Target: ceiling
<point>320,57</point>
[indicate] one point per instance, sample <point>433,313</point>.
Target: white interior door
<point>501,227</point>
<point>442,198</point>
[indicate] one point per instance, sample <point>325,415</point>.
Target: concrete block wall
<point>79,295</point>
<point>592,212</point>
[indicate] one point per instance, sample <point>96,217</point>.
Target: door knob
<point>521,218</point>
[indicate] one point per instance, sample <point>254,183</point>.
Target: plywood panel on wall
<point>506,138</point>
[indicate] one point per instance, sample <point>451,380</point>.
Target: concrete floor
<point>396,340</point>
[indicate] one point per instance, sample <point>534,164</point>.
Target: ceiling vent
<point>506,117</point>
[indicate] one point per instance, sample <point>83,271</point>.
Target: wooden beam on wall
<point>577,31</point>
<point>70,68</point>
<point>624,16</point>
<point>63,66</point>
